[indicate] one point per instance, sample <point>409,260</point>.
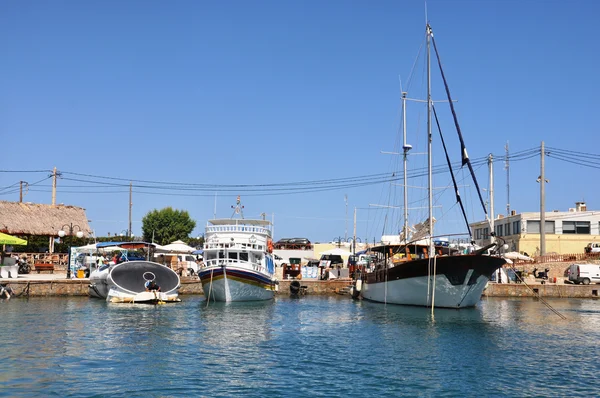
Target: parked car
<point>283,241</point>
<point>592,248</point>
<point>331,261</point>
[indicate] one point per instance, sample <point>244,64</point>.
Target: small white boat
<point>126,282</point>
<point>238,260</point>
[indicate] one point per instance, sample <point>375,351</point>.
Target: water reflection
<point>327,346</point>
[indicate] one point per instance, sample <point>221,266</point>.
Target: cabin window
<point>233,255</point>
<point>243,256</point>
<point>221,254</point>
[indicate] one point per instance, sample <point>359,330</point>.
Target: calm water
<point>313,346</point>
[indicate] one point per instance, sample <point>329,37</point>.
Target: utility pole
<point>130,205</point>
<point>507,167</point>
<point>354,236</point>
<point>542,203</point>
<point>346,230</point>
<point>491,192</point>
<point>54,187</point>
<point>21,190</point>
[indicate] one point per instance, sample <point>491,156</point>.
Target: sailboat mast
<point>491,192</point>
<point>429,140</point>
<point>405,148</point>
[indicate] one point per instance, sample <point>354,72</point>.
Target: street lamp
<point>126,233</point>
<point>62,233</point>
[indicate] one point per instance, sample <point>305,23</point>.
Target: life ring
<point>270,245</point>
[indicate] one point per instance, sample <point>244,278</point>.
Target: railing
<point>238,228</point>
<point>293,246</point>
<point>46,258</point>
<point>558,258</point>
<point>220,262</point>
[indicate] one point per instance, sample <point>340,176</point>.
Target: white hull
<point>413,291</point>
<point>118,296</point>
<point>98,286</point>
<point>228,290</point>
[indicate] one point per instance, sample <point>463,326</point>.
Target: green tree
<point>167,225</point>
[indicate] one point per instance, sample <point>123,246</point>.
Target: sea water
<point>311,346</point>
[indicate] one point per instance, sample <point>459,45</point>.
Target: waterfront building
<point>566,232</point>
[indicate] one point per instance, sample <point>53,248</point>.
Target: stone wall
<point>558,270</point>
<point>557,290</point>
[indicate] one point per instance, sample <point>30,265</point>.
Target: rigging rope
<point>465,156</point>
<point>458,199</point>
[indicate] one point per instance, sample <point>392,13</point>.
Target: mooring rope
<point>433,283</point>
<point>210,287</point>
<point>536,294</point>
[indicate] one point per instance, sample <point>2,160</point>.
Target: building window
<point>576,227</point>
<point>516,227</point>
<point>499,229</point>
<point>533,227</point>
<point>507,229</point>
<point>486,233</point>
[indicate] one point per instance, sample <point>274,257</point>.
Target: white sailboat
<point>416,271</point>
<point>238,259</point>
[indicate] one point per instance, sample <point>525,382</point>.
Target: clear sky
<point>289,104</point>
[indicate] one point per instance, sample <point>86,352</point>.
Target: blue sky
<point>287,92</point>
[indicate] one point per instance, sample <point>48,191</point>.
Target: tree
<point>167,225</point>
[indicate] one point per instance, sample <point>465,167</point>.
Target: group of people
<point>117,258</point>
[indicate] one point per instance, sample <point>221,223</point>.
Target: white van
<point>592,248</point>
<point>584,273</point>
<point>186,260</point>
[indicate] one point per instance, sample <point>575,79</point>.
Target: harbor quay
<point>556,286</point>
<point>57,284</point>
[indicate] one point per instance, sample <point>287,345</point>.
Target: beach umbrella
<point>176,247</point>
<point>338,251</point>
<point>11,240</point>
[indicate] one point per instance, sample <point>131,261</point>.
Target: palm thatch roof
<point>41,219</point>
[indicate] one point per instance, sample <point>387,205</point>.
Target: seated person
<point>152,286</point>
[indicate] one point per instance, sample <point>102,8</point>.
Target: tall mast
<point>542,202</point>
<point>507,167</point>
<point>491,192</point>
<point>405,148</point>
<point>429,140</point>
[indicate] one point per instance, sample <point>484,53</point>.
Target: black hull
<point>131,276</point>
<point>455,268</point>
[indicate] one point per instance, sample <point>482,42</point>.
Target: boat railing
<point>220,262</point>
<point>238,228</point>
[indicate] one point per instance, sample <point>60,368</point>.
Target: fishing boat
<point>415,270</point>
<point>128,281</point>
<point>238,259</point>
